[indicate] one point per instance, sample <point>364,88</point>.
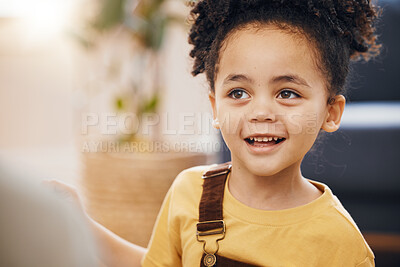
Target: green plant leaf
<point>119,103</point>
<point>150,105</point>
<point>111,14</point>
<point>83,40</point>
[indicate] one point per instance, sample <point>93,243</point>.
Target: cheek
<point>232,124</point>
<point>230,121</point>
<point>307,123</point>
<point>303,129</point>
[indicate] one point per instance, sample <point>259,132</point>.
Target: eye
<point>287,94</point>
<point>238,94</point>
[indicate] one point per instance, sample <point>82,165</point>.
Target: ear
<point>334,115</point>
<point>211,96</point>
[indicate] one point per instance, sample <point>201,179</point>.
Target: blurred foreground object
<point>37,227</point>
<point>124,191</point>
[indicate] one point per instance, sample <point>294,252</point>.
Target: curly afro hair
<point>341,30</point>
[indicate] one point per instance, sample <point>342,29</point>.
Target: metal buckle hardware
<point>211,232</point>
<point>217,231</point>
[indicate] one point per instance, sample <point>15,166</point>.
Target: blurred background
<point>67,64</point>
<point>99,92</point>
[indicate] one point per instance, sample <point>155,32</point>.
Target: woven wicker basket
<point>124,191</point>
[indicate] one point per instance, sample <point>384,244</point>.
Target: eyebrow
<point>276,79</point>
<point>290,78</point>
<point>237,78</point>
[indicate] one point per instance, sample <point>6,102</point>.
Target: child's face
<point>268,85</point>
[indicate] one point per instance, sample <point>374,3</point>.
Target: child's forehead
<point>267,50</point>
<point>269,30</point>
<point>267,41</point>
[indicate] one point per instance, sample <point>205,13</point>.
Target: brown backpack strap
<point>211,215</point>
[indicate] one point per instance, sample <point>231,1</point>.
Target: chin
<point>263,168</point>
<point>265,173</point>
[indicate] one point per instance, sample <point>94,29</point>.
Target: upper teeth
<point>264,139</point>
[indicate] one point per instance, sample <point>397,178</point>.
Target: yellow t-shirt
<point>320,233</point>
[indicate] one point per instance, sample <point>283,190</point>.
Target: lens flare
<point>41,19</point>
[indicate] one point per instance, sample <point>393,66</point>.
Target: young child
<point>277,71</point>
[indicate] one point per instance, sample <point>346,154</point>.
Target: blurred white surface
<point>372,114</point>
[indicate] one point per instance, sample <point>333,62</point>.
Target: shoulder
<point>352,227</point>
<point>184,198</point>
<point>191,176</point>
<point>187,186</point>
<point>339,228</point>
<point>194,171</point>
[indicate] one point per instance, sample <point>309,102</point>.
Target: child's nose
<point>264,118</point>
<point>262,111</point>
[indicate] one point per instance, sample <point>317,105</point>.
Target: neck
<point>283,190</point>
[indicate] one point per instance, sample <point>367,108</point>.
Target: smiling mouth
<point>264,141</point>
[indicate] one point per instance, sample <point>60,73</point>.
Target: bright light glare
<point>42,19</point>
